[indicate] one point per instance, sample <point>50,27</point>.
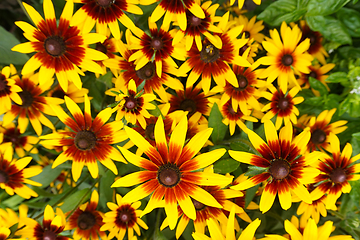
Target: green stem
<point>24,10</point>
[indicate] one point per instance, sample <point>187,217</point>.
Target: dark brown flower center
<point>246,34</point>
<point>101,47</point>
<point>279,169</point>
<point>157,43</point>
<point>242,81</point>
<point>209,53</point>
<point>149,131</point>
<point>58,94</point>
<point>188,105</point>
<point>231,110</point>
<point>49,235</point>
<point>311,37</point>
<point>3,82</point>
<point>194,21</point>
<point>146,72</point>
<point>130,103</point>
<point>338,175</point>
<point>85,140</point>
<point>4,177</point>
<point>318,136</point>
<point>169,175</point>
<point>12,135</point>
<point>243,49</point>
<point>287,60</point>
<point>55,46</point>
<point>27,98</point>
<point>312,74</point>
<point>86,220</point>
<point>125,215</point>
<point>198,205</point>
<point>105,3</point>
<point>283,103</point>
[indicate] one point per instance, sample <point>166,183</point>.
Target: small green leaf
<point>47,175</point>
<point>224,166</point>
<point>355,143</point>
<point>243,145</point>
<point>277,10</point>
<point>330,28</point>
<point>105,191</point>
<point>351,105</point>
<point>315,101</point>
<point>351,19</point>
<point>215,122</point>
<point>289,17</point>
<point>106,79</point>
<point>73,200</point>
<point>349,52</point>
<point>250,194</point>
<point>337,77</point>
<point>254,170</point>
<point>318,86</point>
<point>7,41</point>
<point>324,7</point>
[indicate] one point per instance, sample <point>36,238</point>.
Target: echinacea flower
<point>170,172</point>
<point>8,89</point>
<point>87,221</point>
<point>285,55</point>
<point>252,28</point>
<point>286,168</point>
<point>123,217</point>
<point>60,48</point>
<point>88,141</point>
<point>14,174</point>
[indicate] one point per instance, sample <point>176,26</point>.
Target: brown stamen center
<point>188,105</point>
<point>198,205</point>
<point>58,94</point>
<point>101,47</point>
<point>105,3</point>
<point>169,175</point>
<point>12,135</point>
<point>312,38</point>
<point>279,169</point>
<point>338,175</point>
<point>55,46</point>
<point>27,98</point>
<point>157,43</point>
<point>209,53</point>
<point>85,140</point>
<point>243,49</point>
<point>318,136</point>
<point>287,60</point>
<point>283,103</point>
<point>149,131</point>
<point>130,103</point>
<point>194,21</point>
<point>243,82</point>
<point>86,220</point>
<point>146,72</point>
<point>312,74</point>
<point>3,82</point>
<point>4,177</point>
<point>49,235</point>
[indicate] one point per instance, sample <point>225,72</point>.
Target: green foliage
<point>215,122</point>
<point>48,175</point>
<point>324,7</point>
<point>7,41</point>
<point>227,165</point>
<point>351,19</point>
<point>73,201</point>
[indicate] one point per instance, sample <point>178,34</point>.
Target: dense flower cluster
<point>195,109</point>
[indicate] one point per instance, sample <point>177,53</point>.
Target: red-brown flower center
<point>243,49</point>
<point>13,135</point>
<point>169,175</point>
<point>287,60</point>
<point>4,177</point>
<point>194,21</point>
<point>55,46</point>
<point>126,216</point>
<point>130,103</point>
<point>231,110</point>
<point>279,169</point>
<point>147,71</point>
<point>243,82</point>
<point>157,43</point>
<point>86,220</point>
<point>49,235</point>
<point>101,47</point>
<point>188,105</point>
<point>283,103</point>
<point>198,205</point>
<point>27,98</point>
<point>338,175</point>
<point>58,94</point>
<point>149,131</point>
<point>318,136</point>
<point>105,3</point>
<point>3,82</point>
<point>312,74</point>
<point>209,53</point>
<point>311,37</point>
<point>85,140</point>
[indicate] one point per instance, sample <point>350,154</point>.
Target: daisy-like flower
<point>318,72</point>
<point>123,217</point>
<point>197,27</point>
<point>52,226</point>
<point>232,117</point>
<point>320,128</point>
<point>8,89</point>
<point>246,95</point>
<point>88,141</point>
<point>241,2</point>
<point>252,28</point>
<point>177,8</point>
<point>132,105</point>
<point>73,92</point>
<point>20,143</point>
<point>336,171</point>
<point>8,217</point>
<point>282,105</point>
<point>105,13</point>
<point>286,169</point>
<point>33,104</point>
<point>60,49</point>
<point>203,212</point>
<point>216,231</point>
<point>86,220</point>
<point>212,61</point>
<point>169,173</point>
<point>285,56</point>
<point>14,174</point>
<point>157,45</point>
<point>311,231</point>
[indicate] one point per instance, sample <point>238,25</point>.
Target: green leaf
<point>215,122</point>
<point>316,101</point>
<point>105,191</point>
<point>243,145</point>
<point>351,105</point>
<point>224,166</point>
<point>355,143</point>
<point>254,170</point>
<point>318,86</point>
<point>47,175</point>
<point>106,79</point>
<point>250,194</point>
<point>324,7</point>
<point>349,52</point>
<point>73,200</point>
<point>351,19</point>
<point>277,10</point>
<point>337,77</point>
<point>7,41</point>
<point>330,28</point>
